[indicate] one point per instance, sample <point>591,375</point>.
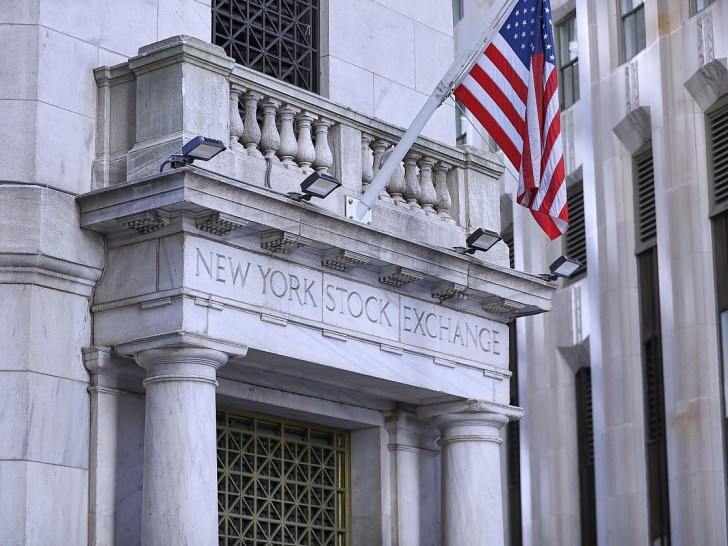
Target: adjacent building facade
<point>623,382</point>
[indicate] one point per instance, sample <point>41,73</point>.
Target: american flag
<point>513,91</point>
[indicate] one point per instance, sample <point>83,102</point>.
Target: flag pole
<point>462,65</point>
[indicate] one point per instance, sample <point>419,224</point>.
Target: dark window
<point>275,37</point>
<point>513,450</point>
<point>644,174</point>
<point>508,240</point>
<point>717,120</point>
<point>457,10</point>
<point>585,441</point>
<point>699,5</point>
<point>568,57</point>
<point>575,236</point>
<point>633,27</point>
<point>651,342</point>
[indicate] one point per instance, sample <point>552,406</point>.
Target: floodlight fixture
<point>563,267</point>
<point>480,239</point>
<point>315,185</point>
<point>200,147</point>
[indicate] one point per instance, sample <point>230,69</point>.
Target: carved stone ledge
<point>220,223</point>
<point>147,222</point>
<point>709,83</point>
<point>341,260</point>
<point>449,291</point>
<point>635,129</point>
<point>396,276</point>
<point>495,305</point>
<point>282,241</point>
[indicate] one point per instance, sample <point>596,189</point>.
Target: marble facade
<point>135,302</point>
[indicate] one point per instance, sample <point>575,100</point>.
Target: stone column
<point>472,503</point>
<point>180,469</point>
<point>414,480</point>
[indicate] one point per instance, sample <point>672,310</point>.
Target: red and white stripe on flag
<point>513,91</point>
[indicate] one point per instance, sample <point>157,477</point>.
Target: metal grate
<point>645,185</point>
<point>718,135</point>
<point>585,442</point>
<point>575,237</point>
<point>280,483</point>
<point>276,37</point>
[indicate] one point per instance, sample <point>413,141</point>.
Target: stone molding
<point>635,129</point>
<point>709,83</point>
<point>408,433</point>
<point>181,49</point>
<point>181,340</point>
<point>181,364</point>
<point>460,409</point>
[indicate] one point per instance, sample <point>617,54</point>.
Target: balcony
<point>276,135</point>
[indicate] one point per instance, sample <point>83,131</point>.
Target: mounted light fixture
<point>480,239</point>
<point>316,185</point>
<point>200,147</point>
<point>563,267</point>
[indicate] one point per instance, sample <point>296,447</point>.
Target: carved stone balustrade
<point>277,134</point>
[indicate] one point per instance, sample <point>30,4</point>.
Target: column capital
<point>180,339</point>
<point>462,409</point>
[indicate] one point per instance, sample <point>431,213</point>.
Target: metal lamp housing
<point>202,148</point>
<point>565,267</point>
<point>482,239</point>
<point>319,185</point>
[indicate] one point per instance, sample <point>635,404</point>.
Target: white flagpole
<point>459,69</point>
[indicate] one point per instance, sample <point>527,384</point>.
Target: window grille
<point>718,156</point>
<point>585,442</point>
<point>575,236</point>
<point>633,34</point>
<point>280,482</point>
<point>508,240</point>
<point>276,37</point>
<point>645,198</point>
<point>568,58</point>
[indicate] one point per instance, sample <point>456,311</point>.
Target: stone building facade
<point>192,356</point>
<point>623,382</point>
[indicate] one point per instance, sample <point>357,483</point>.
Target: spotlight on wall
<point>563,267</point>
<point>316,185</point>
<point>200,147</point>
<point>480,239</point>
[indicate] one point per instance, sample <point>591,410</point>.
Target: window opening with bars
<point>575,236</point>
<point>585,442</point>
<point>280,482</point>
<point>651,342</point>
<point>717,121</point>
<point>279,38</point>
<point>513,449</point>
<point>568,57</point>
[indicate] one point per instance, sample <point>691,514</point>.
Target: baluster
<point>236,122</point>
<point>251,131</point>
<point>412,185</point>
<point>324,158</point>
<point>443,200</point>
<point>270,140</point>
<point>396,185</point>
<point>306,151</point>
<point>427,188</point>
<point>367,173</point>
<point>380,146</point>
<point>288,147</point>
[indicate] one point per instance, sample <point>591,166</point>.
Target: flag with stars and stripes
<point>512,90</point>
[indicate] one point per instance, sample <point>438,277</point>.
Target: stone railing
<point>276,134</point>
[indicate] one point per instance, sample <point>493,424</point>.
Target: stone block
<point>388,35</point>
<point>483,201</point>
<point>62,58</point>
<point>121,27</point>
<point>345,144</point>
<point>438,15</point>
<point>433,57</point>
<point>64,146</point>
<point>18,158</point>
<point>189,17</point>
<point>58,318</point>
<point>44,419</point>
<point>19,69</point>
<point>347,84</point>
<point>43,504</point>
<point>20,12</point>
<point>131,270</point>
